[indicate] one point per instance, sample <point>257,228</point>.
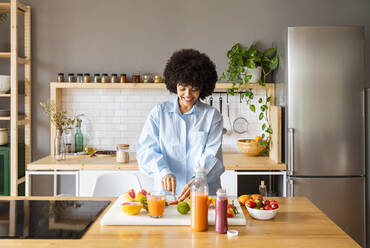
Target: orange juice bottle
<point>199,202</point>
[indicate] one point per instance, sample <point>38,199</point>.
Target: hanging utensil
<point>230,129</point>
<point>224,130</point>
<point>240,124</point>
<point>211,100</point>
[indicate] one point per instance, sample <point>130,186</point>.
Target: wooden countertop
<point>232,161</point>
<point>299,223</point>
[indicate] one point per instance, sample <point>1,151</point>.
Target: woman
<point>183,133</point>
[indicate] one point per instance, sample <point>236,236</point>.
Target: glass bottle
<point>105,78</point>
<point>67,138</point>
<point>262,188</point>
<point>87,78</point>
<point>123,78</point>
<point>199,201</point>
<point>221,211</point>
<point>114,78</point>
<point>58,146</point>
<point>79,140</point>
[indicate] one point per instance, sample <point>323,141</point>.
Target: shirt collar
<point>176,109</point>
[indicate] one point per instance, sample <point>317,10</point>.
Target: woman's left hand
<point>185,193</point>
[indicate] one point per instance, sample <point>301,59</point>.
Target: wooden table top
<point>299,223</point>
<point>232,161</point>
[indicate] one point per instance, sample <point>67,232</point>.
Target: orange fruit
<point>257,197</point>
<point>131,208</point>
<point>243,199</point>
<point>258,138</point>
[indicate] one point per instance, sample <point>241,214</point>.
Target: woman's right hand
<point>169,183</point>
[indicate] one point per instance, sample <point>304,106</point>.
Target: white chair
<point>115,184</point>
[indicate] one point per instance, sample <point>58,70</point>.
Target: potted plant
<point>240,60</point>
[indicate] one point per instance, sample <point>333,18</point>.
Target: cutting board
<point>114,216</point>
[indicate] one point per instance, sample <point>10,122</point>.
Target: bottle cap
<point>221,192</point>
<point>232,234</point>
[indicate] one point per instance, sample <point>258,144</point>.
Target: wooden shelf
<point>5,7</point>
<point>4,95</point>
<point>5,118</point>
<point>219,86</point>
<point>20,60</point>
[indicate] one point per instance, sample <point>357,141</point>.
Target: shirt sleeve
<point>148,152</point>
<point>211,158</point>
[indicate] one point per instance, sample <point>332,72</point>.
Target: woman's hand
<point>169,183</point>
<point>185,193</point>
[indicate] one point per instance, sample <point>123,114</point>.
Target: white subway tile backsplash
<point>115,116</point>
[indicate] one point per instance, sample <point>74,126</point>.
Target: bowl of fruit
<point>251,147</point>
<point>259,208</point>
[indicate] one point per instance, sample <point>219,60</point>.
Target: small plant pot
<point>255,72</point>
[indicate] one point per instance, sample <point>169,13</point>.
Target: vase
<point>59,146</point>
<point>254,72</point>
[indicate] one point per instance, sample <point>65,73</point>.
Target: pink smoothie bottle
<point>221,211</point>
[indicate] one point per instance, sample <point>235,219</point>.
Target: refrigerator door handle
<point>291,188</point>
<point>291,152</point>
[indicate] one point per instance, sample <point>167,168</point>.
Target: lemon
<point>183,207</point>
<point>131,208</point>
<point>139,196</point>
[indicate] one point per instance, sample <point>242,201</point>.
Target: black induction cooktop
<point>36,219</point>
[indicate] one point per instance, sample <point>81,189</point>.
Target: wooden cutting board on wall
<point>276,142</point>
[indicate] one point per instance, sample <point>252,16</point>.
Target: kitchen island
<point>299,223</point>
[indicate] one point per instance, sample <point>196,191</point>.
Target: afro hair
<point>190,67</point>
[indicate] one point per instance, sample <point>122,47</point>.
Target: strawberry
<point>131,193</point>
<point>274,206</point>
<point>273,202</point>
<point>258,203</point>
<point>251,204</point>
<point>266,203</point>
<point>267,208</point>
<point>230,213</point>
<point>143,191</point>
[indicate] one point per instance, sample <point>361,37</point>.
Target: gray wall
<point>135,35</point>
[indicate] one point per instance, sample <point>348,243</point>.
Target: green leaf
<point>260,82</point>
<point>252,51</point>
<point>269,130</point>
<point>250,63</point>
<point>274,63</point>
<point>263,126</point>
<point>262,142</point>
<point>263,136</point>
<point>261,116</point>
<point>252,108</point>
<point>260,100</point>
<point>269,51</point>
<point>268,99</point>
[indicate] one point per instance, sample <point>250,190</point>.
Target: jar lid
<point>105,74</point>
<point>60,73</point>
<point>87,74</point>
<point>123,74</point>
<point>79,74</point>
<point>231,234</point>
<point>71,74</point>
<point>122,146</point>
<point>96,74</point>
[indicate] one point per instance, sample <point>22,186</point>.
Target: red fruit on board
<point>274,206</point>
<point>230,212</point>
<point>143,191</point>
<point>251,204</point>
<point>131,193</point>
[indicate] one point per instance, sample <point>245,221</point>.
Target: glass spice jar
<point>122,154</point>
<point>97,78</point>
<point>80,78</point>
<point>71,78</point>
<point>60,78</point>
<point>87,78</point>
<point>114,78</point>
<point>157,79</point>
<point>136,78</point>
<point>105,78</point>
<point>123,78</point>
<point>147,79</point>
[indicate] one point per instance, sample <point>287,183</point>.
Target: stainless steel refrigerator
<point>321,87</point>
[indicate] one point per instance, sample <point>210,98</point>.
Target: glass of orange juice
<point>156,202</point>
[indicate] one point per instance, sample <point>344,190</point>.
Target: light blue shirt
<point>175,143</point>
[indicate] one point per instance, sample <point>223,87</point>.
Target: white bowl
<point>262,214</point>
<point>4,84</point>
